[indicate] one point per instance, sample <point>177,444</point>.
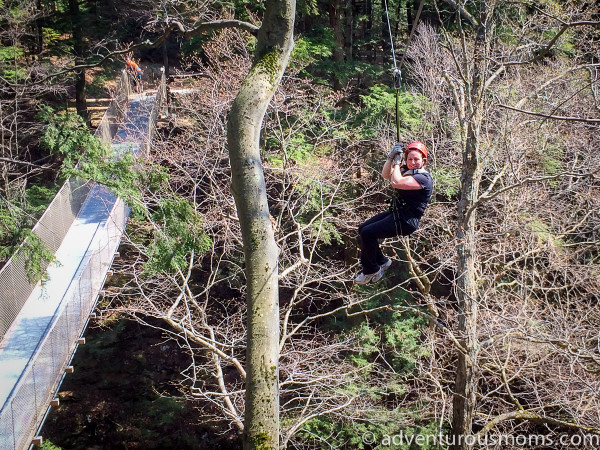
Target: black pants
<point>383,225</point>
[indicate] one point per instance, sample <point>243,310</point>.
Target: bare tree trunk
<point>465,389</point>
<point>348,30</point>
<point>80,96</point>
<point>274,44</point>
<point>335,21</point>
<point>39,28</point>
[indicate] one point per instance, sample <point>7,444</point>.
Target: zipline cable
<point>397,71</point>
<point>391,39</point>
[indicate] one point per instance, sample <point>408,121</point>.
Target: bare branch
<point>550,44</point>
<point>547,116</point>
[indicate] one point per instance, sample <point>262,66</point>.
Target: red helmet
<point>419,146</point>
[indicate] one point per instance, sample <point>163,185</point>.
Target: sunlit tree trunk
<point>274,44</point>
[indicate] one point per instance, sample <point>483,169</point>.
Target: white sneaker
<point>386,266</point>
<point>370,278</point>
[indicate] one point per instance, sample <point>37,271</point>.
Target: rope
<point>391,39</point>
<point>397,71</point>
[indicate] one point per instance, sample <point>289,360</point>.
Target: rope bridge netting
<point>79,207</point>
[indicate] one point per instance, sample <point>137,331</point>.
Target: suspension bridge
<point>42,324</point>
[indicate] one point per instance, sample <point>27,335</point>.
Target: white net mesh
<point>26,406</point>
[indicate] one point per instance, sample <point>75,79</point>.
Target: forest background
<point>487,322</point>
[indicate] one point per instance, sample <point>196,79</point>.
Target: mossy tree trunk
<point>273,47</point>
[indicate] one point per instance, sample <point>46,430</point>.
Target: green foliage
<point>551,165</point>
<point>543,232</point>
<point>367,337</point>
<point>564,44</point>
<point>178,234</point>
<point>178,227</point>
<point>8,69</point>
<point>165,411</point>
<point>321,228</point>
<point>447,180</point>
<point>308,50</point>
<point>38,198</point>
<point>96,87</point>
<point>119,175</point>
<point>10,52</point>
<point>50,35</point>
<point>9,227</point>
<point>300,150</point>
<point>312,56</point>
<point>48,445</point>
<point>307,7</point>
<point>379,109</point>
<point>551,161</point>
<point>384,429</point>
<point>402,338</point>
<point>189,47</point>
<point>507,34</point>
<point>327,232</point>
<point>68,136</point>
<point>244,9</point>
<point>16,220</point>
<point>36,257</point>
<point>399,339</point>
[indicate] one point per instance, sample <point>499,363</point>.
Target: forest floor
<point>123,395</point>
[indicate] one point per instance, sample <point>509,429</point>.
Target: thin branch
<point>487,197</point>
<point>548,116</point>
<point>533,417</point>
<point>553,41</point>
<point>216,25</point>
<point>463,12</point>
<point>300,423</point>
<point>25,163</point>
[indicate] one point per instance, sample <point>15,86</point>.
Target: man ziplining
<point>413,187</point>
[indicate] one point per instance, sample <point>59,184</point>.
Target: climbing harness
<point>397,74</point>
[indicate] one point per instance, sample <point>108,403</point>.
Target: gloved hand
<point>397,159</point>
<point>396,150</point>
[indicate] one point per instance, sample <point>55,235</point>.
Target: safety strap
<point>413,171</point>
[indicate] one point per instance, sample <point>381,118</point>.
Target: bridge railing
<point>159,104</point>
<point>15,287</point>
<point>28,404</point>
